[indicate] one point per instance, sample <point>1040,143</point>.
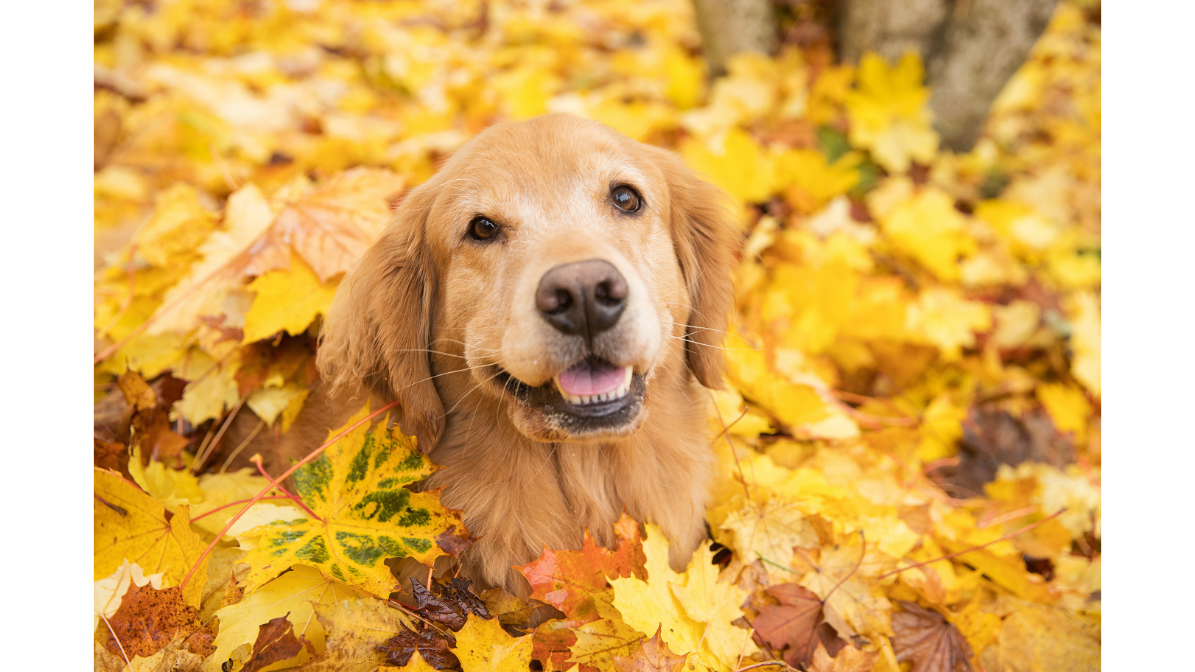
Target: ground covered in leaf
<point>909,449</point>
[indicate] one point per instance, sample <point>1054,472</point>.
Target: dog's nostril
<point>564,299</point>
<point>583,298</point>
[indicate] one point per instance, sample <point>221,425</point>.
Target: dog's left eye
<point>482,228</point>
<point>626,198</point>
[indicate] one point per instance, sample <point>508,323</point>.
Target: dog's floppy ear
<point>706,237</point>
<point>377,331</point>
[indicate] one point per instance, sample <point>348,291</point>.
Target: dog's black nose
<point>584,298</point>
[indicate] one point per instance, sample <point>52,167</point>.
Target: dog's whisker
<point>429,350</point>
<point>446,373</point>
<point>476,387</point>
<point>707,345</point>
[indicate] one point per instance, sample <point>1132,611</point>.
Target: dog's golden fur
<point>432,318</point>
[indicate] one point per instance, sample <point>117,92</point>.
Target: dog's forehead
<point>545,163</point>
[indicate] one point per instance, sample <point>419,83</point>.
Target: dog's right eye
<point>482,228</point>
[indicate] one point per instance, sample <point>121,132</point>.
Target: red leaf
<point>567,579</point>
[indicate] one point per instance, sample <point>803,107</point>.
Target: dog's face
<point>552,267</point>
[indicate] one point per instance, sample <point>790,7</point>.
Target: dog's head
<point>552,267</point>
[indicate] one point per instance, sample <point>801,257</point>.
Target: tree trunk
<point>729,27</point>
<point>970,48</point>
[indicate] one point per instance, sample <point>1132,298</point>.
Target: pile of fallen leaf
<point>909,451</point>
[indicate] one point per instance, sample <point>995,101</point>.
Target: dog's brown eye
<point>625,198</point>
<point>482,228</point>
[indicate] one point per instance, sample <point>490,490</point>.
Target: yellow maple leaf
<point>692,610</point>
<point>648,605</point>
<point>715,604</point>
<point>1067,406</point>
<point>483,646</point>
<point>287,300</point>
<point>889,112</point>
<point>525,91</point>
<point>329,227</point>
<point>170,487</point>
<point>738,164</point>
<point>768,532</point>
<point>793,404</point>
<point>942,317</point>
<point>1083,309</point>
<point>294,595</point>
<point>202,292</point>
<point>365,513</point>
<point>928,228</point>
<point>131,525</point>
<point>598,642</point>
<point>686,78</point>
<point>210,493</point>
<point>212,389</point>
<point>354,629</point>
<point>178,225</point>
<point>1041,638</point>
<point>269,402</point>
<point>815,179</point>
<point>829,92</point>
<point>941,428</point>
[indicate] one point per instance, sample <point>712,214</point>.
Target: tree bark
<point>970,48</point>
<point>729,27</point>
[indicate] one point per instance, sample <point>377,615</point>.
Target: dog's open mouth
<point>591,395</point>
<point>593,381</point>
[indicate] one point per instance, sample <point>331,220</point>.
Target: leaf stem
<point>274,483</point>
<point>239,501</point>
<point>257,463</point>
<point>201,458</point>
<point>1006,537</point>
<point>862,554</point>
<point>766,663</point>
<point>117,640</point>
<point>155,317</point>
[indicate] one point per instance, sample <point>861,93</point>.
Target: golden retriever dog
<point>547,309</point>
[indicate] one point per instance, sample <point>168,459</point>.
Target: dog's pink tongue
<point>592,378</point>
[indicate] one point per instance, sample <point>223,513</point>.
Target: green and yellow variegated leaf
<point>366,515</point>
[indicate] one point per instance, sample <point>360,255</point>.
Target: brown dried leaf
<point>512,611</point>
<point>148,620</point>
<point>137,393</point>
<point>924,637</point>
<point>432,646</point>
<point>112,456</point>
<point>792,623</point>
<point>993,436</point>
<point>451,606</point>
<point>276,642</point>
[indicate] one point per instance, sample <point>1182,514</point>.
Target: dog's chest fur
<point>520,496</point>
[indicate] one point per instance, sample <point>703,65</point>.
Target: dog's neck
<point>554,491</point>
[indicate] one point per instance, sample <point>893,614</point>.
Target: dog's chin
<point>542,413</point>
